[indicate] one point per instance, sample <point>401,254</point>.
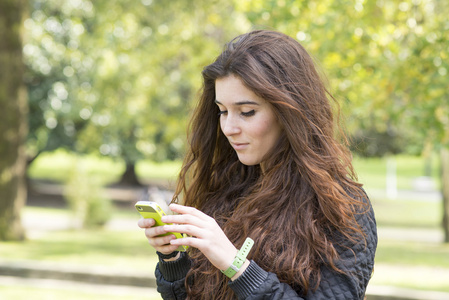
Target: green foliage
<point>118,77</point>
<point>371,143</point>
<point>86,199</point>
<point>386,60</point>
<point>59,74</point>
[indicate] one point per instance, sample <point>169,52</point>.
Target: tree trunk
<point>445,191</point>
<point>129,177</point>
<point>13,124</point>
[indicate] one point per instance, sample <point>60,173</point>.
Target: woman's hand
<point>161,244</point>
<point>204,234</point>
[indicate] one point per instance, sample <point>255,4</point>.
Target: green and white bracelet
<point>239,258</point>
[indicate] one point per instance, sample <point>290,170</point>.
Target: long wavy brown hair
<point>307,191</point>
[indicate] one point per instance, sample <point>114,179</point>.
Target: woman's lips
<point>239,146</point>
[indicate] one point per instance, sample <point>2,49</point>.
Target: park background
<point>95,98</point>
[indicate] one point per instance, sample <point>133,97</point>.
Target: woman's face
<point>247,120</point>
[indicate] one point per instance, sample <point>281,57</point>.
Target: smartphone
<point>152,210</point>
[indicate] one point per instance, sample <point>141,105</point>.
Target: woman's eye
<point>248,113</point>
<point>222,112</point>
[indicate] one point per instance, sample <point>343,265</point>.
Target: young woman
<point>264,163</point>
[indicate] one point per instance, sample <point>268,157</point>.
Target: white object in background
<point>391,179</point>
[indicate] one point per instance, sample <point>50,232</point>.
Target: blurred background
<point>95,98</point>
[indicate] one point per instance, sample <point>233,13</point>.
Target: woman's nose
<point>229,126</point>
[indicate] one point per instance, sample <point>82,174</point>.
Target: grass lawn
<point>58,166</point>
<point>411,277</point>
<point>415,265</point>
<point>409,214</point>
<point>126,250</point>
<point>116,250</point>
<point>372,171</point>
<point>413,254</point>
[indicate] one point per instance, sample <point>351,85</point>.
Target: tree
<point>13,103</point>
<point>117,77</point>
<point>148,75</point>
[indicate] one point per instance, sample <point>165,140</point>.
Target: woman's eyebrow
<point>245,102</point>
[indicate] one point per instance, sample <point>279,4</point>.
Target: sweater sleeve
<point>256,283</point>
<point>170,277</point>
<point>357,261</point>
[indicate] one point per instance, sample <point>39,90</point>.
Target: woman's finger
<point>161,241</point>
<point>183,219</point>
<point>187,229</point>
<point>181,209</point>
<point>189,241</point>
<point>154,231</point>
<point>145,223</point>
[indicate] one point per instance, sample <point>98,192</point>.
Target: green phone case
<point>151,210</point>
